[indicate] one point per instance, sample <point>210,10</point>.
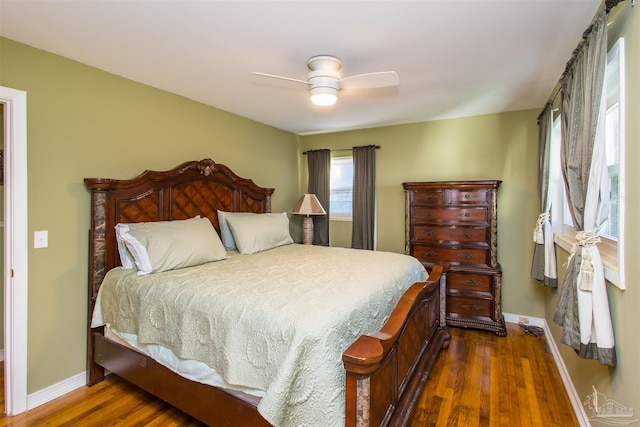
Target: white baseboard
<point>576,401</point>
<point>517,318</point>
<point>57,390</point>
<point>574,398</point>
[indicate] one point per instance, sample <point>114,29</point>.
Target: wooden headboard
<point>193,188</point>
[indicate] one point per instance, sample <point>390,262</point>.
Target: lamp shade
<point>308,204</point>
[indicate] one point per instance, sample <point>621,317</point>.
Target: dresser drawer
<point>469,282</point>
<point>469,307</point>
<point>468,196</point>
<point>451,255</point>
<point>454,215</point>
<point>428,197</point>
<point>445,233</point>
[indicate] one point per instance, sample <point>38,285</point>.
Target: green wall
<point>497,146</point>
<point>83,122</point>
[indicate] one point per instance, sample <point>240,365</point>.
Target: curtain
<point>583,307</point>
<point>319,163</point>
<point>364,197</point>
<point>543,268</point>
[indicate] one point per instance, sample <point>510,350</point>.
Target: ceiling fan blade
<point>280,77</point>
<point>371,80</point>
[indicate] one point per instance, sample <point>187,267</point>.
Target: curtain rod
<point>608,4</point>
<point>549,104</point>
<point>377,147</point>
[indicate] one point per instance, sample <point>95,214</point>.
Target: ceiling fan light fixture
<point>325,80</point>
<point>323,96</point>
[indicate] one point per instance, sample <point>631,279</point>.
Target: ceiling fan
<point>325,80</point>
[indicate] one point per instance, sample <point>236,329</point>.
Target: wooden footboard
<point>213,406</point>
<point>386,372</point>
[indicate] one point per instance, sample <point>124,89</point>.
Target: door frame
<point>15,249</point>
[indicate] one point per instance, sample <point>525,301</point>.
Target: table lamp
<point>308,204</point>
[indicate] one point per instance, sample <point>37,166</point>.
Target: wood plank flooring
<point>481,380</point>
<point>485,380</point>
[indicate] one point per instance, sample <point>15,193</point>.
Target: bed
<point>382,371</point>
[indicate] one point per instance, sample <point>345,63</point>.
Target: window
<point>612,234</point>
<point>341,187</point>
<point>614,131</point>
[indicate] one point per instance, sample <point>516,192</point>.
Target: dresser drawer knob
<point>429,233</point>
<point>430,196</point>
<point>465,214</point>
<point>428,214</point>
<point>470,283</point>
<point>471,307</point>
<point>467,256</point>
<point>469,235</point>
<point>429,253</point>
<point>467,196</point>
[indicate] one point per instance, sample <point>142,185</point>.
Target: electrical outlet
<point>40,239</point>
<point>524,320</point>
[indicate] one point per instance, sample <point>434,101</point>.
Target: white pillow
<point>260,232</point>
<point>167,245</point>
<point>125,256</point>
<point>225,232</point>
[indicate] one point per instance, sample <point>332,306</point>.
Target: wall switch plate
<point>40,239</point>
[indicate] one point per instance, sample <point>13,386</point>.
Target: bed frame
<point>385,372</point>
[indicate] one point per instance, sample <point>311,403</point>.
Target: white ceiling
<point>454,57</point>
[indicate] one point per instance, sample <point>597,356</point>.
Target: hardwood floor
<point>481,380</point>
<point>485,380</point>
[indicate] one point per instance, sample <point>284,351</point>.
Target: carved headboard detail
<point>193,188</point>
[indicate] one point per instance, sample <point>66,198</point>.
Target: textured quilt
<point>277,320</point>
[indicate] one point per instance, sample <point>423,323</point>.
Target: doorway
<point>14,103</point>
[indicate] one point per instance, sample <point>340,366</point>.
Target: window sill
<point>608,253</point>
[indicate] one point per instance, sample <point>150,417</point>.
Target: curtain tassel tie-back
<point>585,240</point>
<point>538,232</point>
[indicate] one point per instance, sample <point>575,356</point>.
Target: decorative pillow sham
<point>225,232</point>
<point>168,245</point>
<point>260,232</point>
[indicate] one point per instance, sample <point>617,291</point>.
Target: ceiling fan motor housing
<point>325,73</point>
<point>324,62</point>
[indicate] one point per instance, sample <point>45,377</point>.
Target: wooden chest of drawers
<point>455,222</point>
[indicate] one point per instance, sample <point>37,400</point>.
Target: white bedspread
<point>276,321</point>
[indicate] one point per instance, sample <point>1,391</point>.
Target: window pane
<point>612,136</point>
<point>611,226</point>
<point>340,202</point>
<point>341,173</point>
<point>341,184</point>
